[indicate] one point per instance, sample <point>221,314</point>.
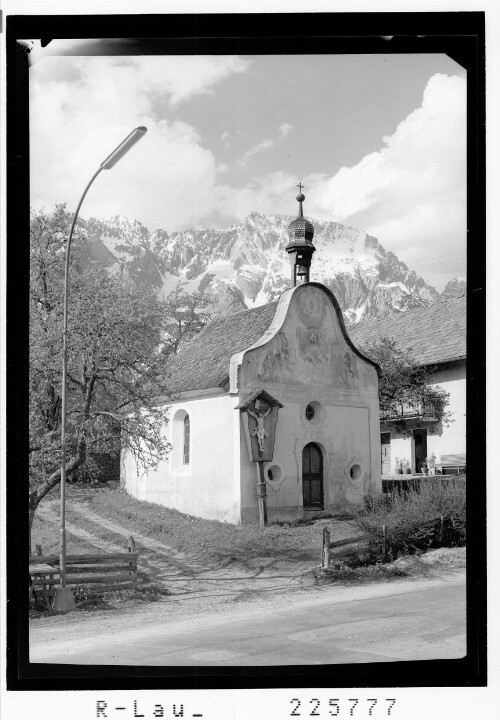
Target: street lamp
<point>63,596</point>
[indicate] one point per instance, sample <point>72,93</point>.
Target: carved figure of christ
<point>260,430</point>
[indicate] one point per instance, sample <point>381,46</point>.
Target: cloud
<point>81,108</point>
<point>284,130</point>
<point>260,147</point>
<point>265,144</point>
<point>412,192</point>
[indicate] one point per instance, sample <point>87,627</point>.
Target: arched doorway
<point>312,477</point>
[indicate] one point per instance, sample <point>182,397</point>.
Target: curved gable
<point>305,344</point>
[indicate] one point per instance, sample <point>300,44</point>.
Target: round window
<point>274,473</point>
<point>314,412</point>
<point>309,412</point>
<point>355,472</point>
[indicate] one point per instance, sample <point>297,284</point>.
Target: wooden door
<point>385,443</point>
<point>420,438</point>
<point>312,477</point>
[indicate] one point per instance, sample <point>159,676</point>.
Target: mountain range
<point>246,265</point>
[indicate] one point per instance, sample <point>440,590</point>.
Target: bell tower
<point>300,247</point>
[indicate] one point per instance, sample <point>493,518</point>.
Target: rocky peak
<point>454,288</point>
<point>246,265</point>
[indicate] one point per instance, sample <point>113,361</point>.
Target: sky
<point>379,142</point>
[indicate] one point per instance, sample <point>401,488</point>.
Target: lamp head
<point>124,147</point>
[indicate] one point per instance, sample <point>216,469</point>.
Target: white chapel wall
<point>205,486</point>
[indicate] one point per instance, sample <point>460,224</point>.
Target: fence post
<point>133,568</point>
<point>384,539</point>
<point>441,529</point>
<point>325,554</point>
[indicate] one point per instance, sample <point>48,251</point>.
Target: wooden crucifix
<point>260,415</point>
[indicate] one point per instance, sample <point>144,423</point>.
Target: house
<point>276,412</point>
<point>436,338</point>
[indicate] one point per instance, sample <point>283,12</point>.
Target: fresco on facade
<point>308,349</point>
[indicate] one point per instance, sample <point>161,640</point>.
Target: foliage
<point>187,313</point>
<point>117,393</point>
<point>404,383</point>
<point>404,514</point>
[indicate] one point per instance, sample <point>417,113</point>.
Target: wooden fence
<point>386,538</point>
<point>110,571</point>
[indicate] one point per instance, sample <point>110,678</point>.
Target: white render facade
<point>443,440</point>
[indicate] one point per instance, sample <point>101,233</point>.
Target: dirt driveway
<point>199,582</point>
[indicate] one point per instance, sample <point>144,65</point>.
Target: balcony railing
<point>411,411</point>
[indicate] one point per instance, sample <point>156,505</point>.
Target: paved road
<point>410,620</point>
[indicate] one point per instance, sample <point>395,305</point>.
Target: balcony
<point>425,412</point>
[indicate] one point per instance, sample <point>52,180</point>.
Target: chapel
<point>276,412</point>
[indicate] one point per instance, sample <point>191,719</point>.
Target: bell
<point>301,270</point>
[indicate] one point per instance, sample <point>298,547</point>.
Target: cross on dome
<point>300,230</point>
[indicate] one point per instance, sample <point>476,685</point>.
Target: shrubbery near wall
<point>404,514</point>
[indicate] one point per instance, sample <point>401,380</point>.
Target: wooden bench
<point>451,465</point>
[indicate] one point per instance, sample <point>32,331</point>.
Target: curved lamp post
<point>63,597</point>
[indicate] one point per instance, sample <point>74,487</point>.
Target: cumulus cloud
<point>81,108</point>
<point>411,192</point>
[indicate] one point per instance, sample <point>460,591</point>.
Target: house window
<point>309,412</point>
<point>187,433</point>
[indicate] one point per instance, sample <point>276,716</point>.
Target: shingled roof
<point>204,362</point>
<point>433,334</point>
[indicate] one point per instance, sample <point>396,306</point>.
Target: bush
<point>404,514</point>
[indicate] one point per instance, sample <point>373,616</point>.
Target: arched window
<point>187,432</point>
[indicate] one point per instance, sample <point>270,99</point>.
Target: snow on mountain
<point>246,265</point>
<point>454,288</point>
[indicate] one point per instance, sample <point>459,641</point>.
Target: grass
<point>214,540</point>
<point>211,538</point>
<point>345,573</point>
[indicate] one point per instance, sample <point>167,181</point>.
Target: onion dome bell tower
<point>300,247</point>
